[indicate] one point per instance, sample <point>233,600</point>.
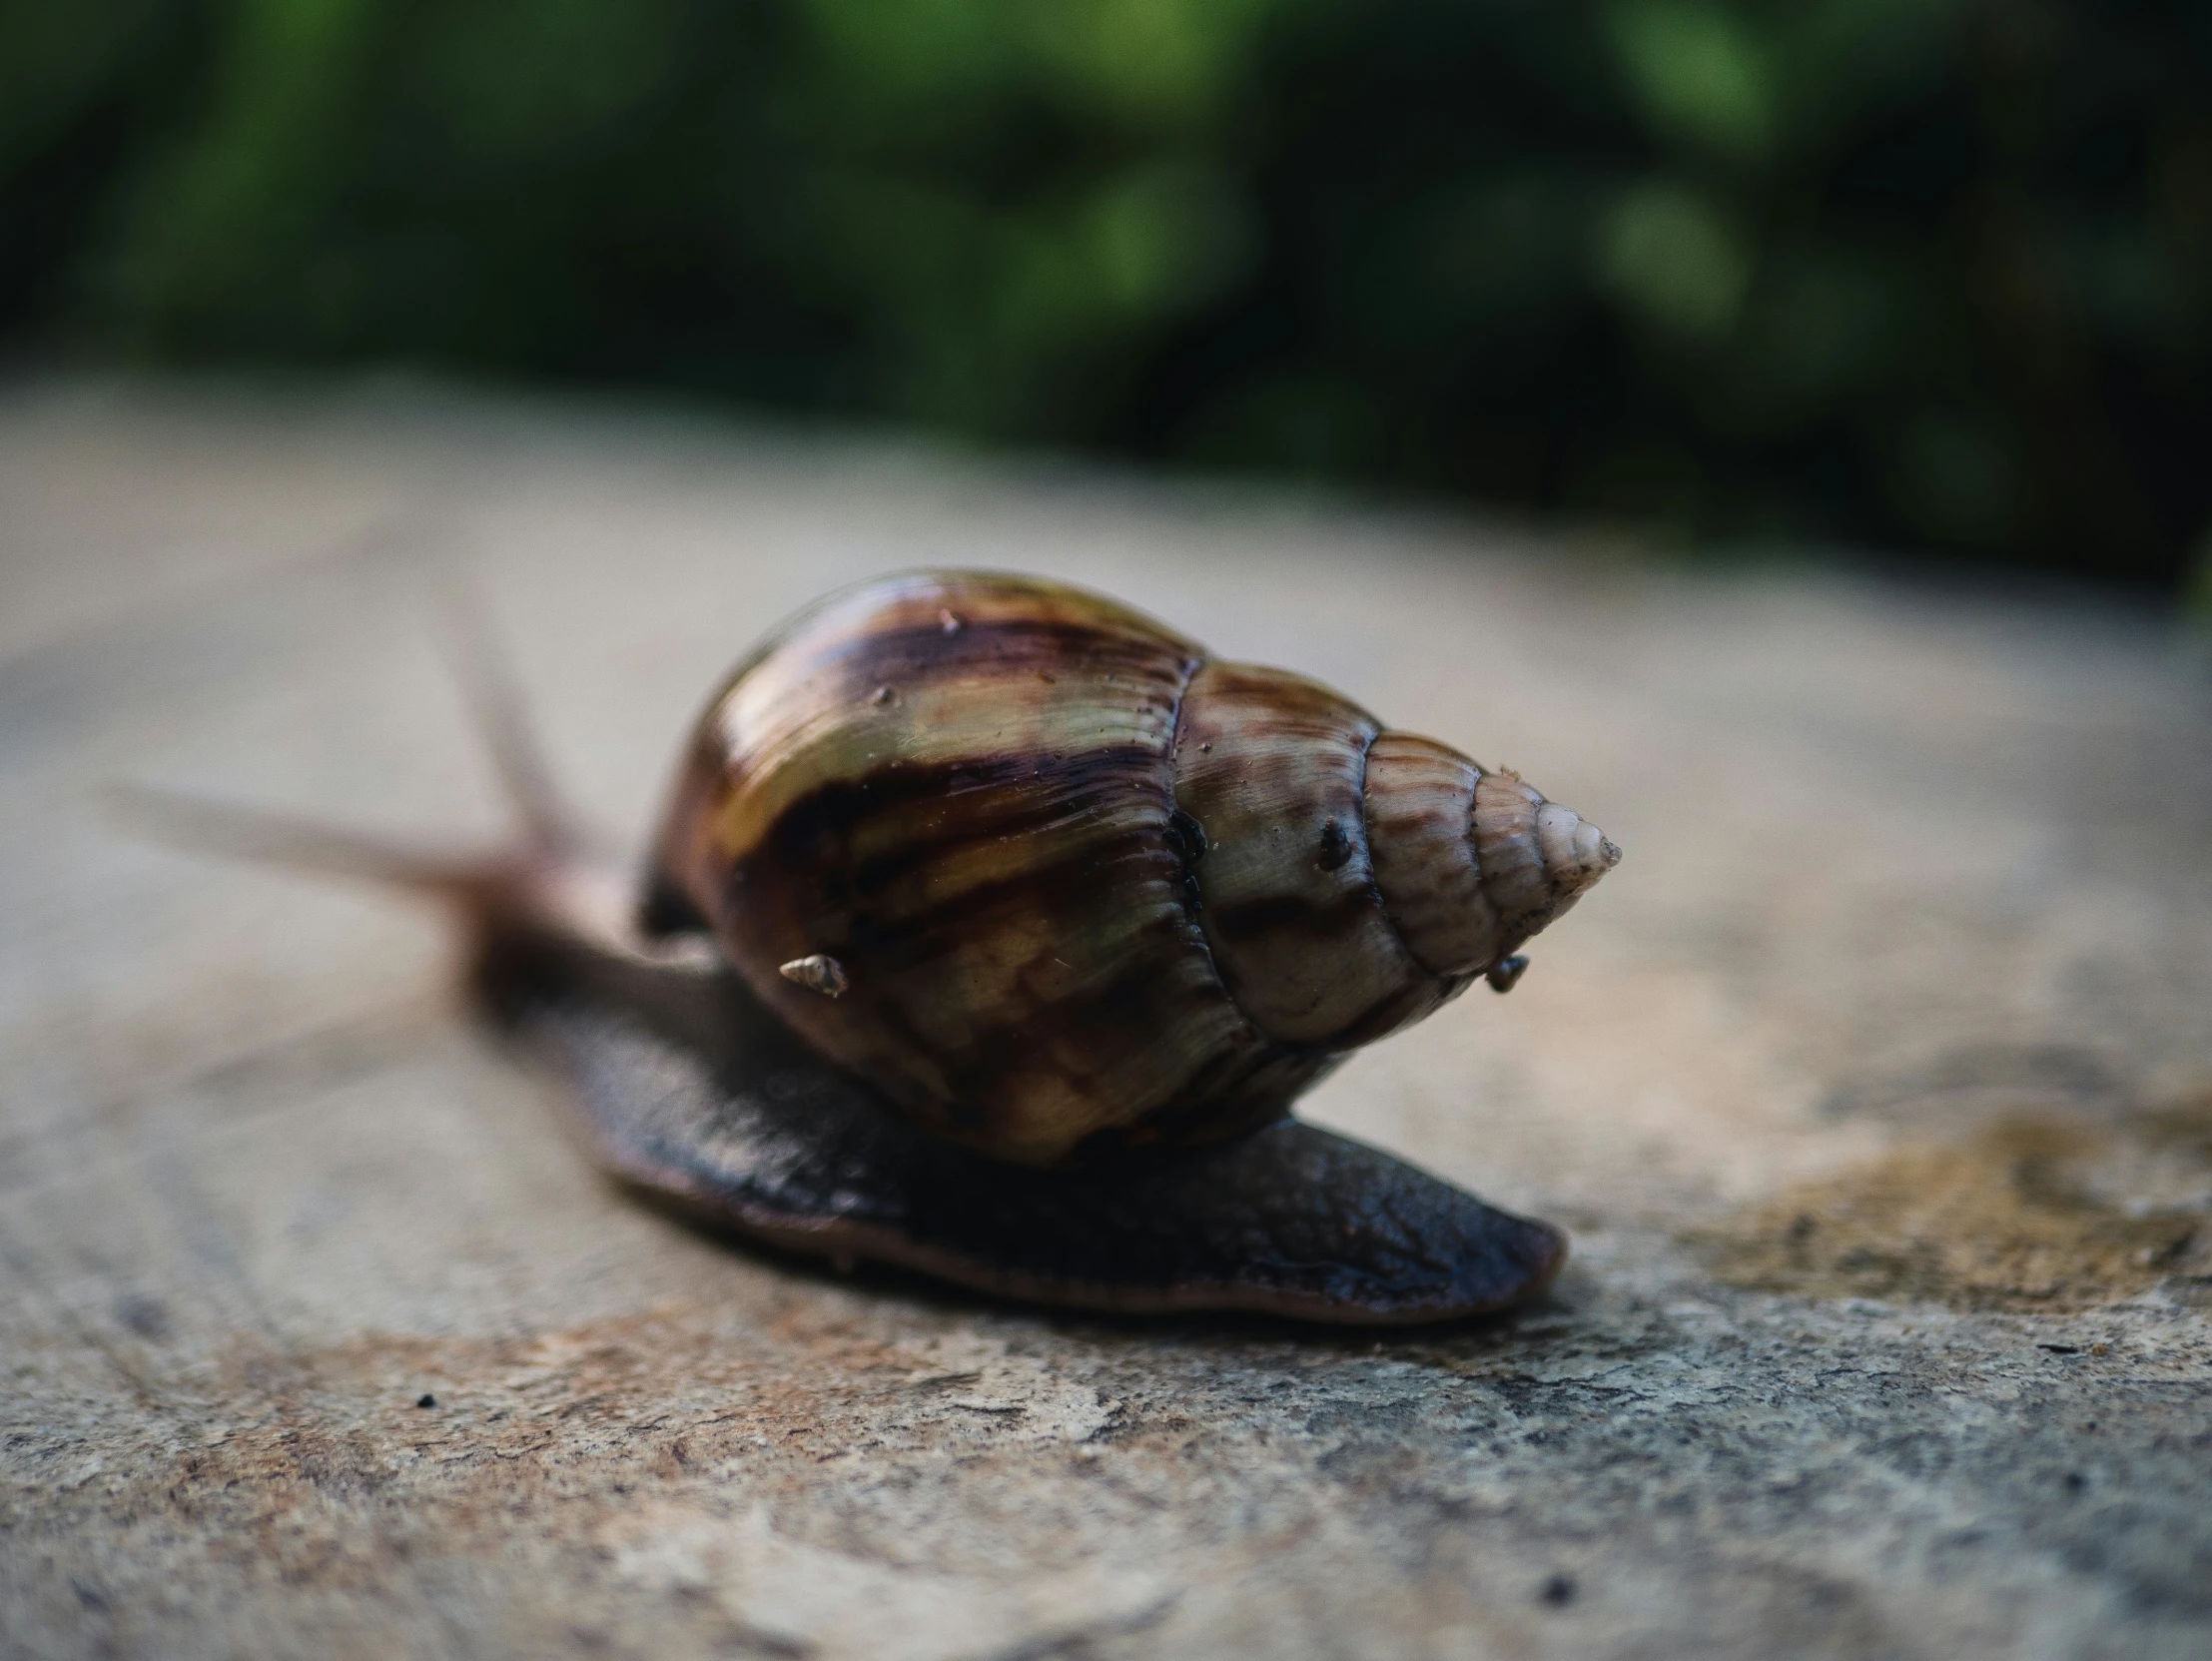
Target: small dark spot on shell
<point>2075,1482</point>
<point>1558,1591</point>
<point>425,1399</point>
<point>1186,841</point>
<point>1048,680</point>
<point>885,695</point>
<point>1186,837</point>
<point>1336,847</point>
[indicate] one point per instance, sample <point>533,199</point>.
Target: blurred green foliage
<point>1924,272</point>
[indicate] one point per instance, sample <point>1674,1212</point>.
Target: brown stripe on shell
<point>1270,765</point>
<point>917,603</point>
<point>977,824</point>
<point>996,687</point>
<point>1420,806</point>
<point>913,836</point>
<point>1155,1056</point>
<point>1056,987</point>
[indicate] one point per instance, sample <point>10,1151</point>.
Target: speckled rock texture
<point>1875,1086</point>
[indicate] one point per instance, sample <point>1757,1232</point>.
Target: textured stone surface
<point>1876,1086</point>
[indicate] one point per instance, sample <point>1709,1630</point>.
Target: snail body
<point>1085,891</point>
<point>990,931</point>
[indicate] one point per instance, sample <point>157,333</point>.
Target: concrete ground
<point>1876,1088</point>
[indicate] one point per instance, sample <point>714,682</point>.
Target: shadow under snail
<point>990,931</point>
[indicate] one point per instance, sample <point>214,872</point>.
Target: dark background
<point>1930,276</point>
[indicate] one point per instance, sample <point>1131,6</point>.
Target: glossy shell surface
<point>1088,891</point>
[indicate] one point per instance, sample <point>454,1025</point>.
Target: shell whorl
<point>1084,890</point>
<point>1471,863</point>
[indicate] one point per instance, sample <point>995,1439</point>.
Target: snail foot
<point>690,1090</point>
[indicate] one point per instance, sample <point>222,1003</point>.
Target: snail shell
<point>1063,888</point>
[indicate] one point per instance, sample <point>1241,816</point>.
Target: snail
<point>991,930</point>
